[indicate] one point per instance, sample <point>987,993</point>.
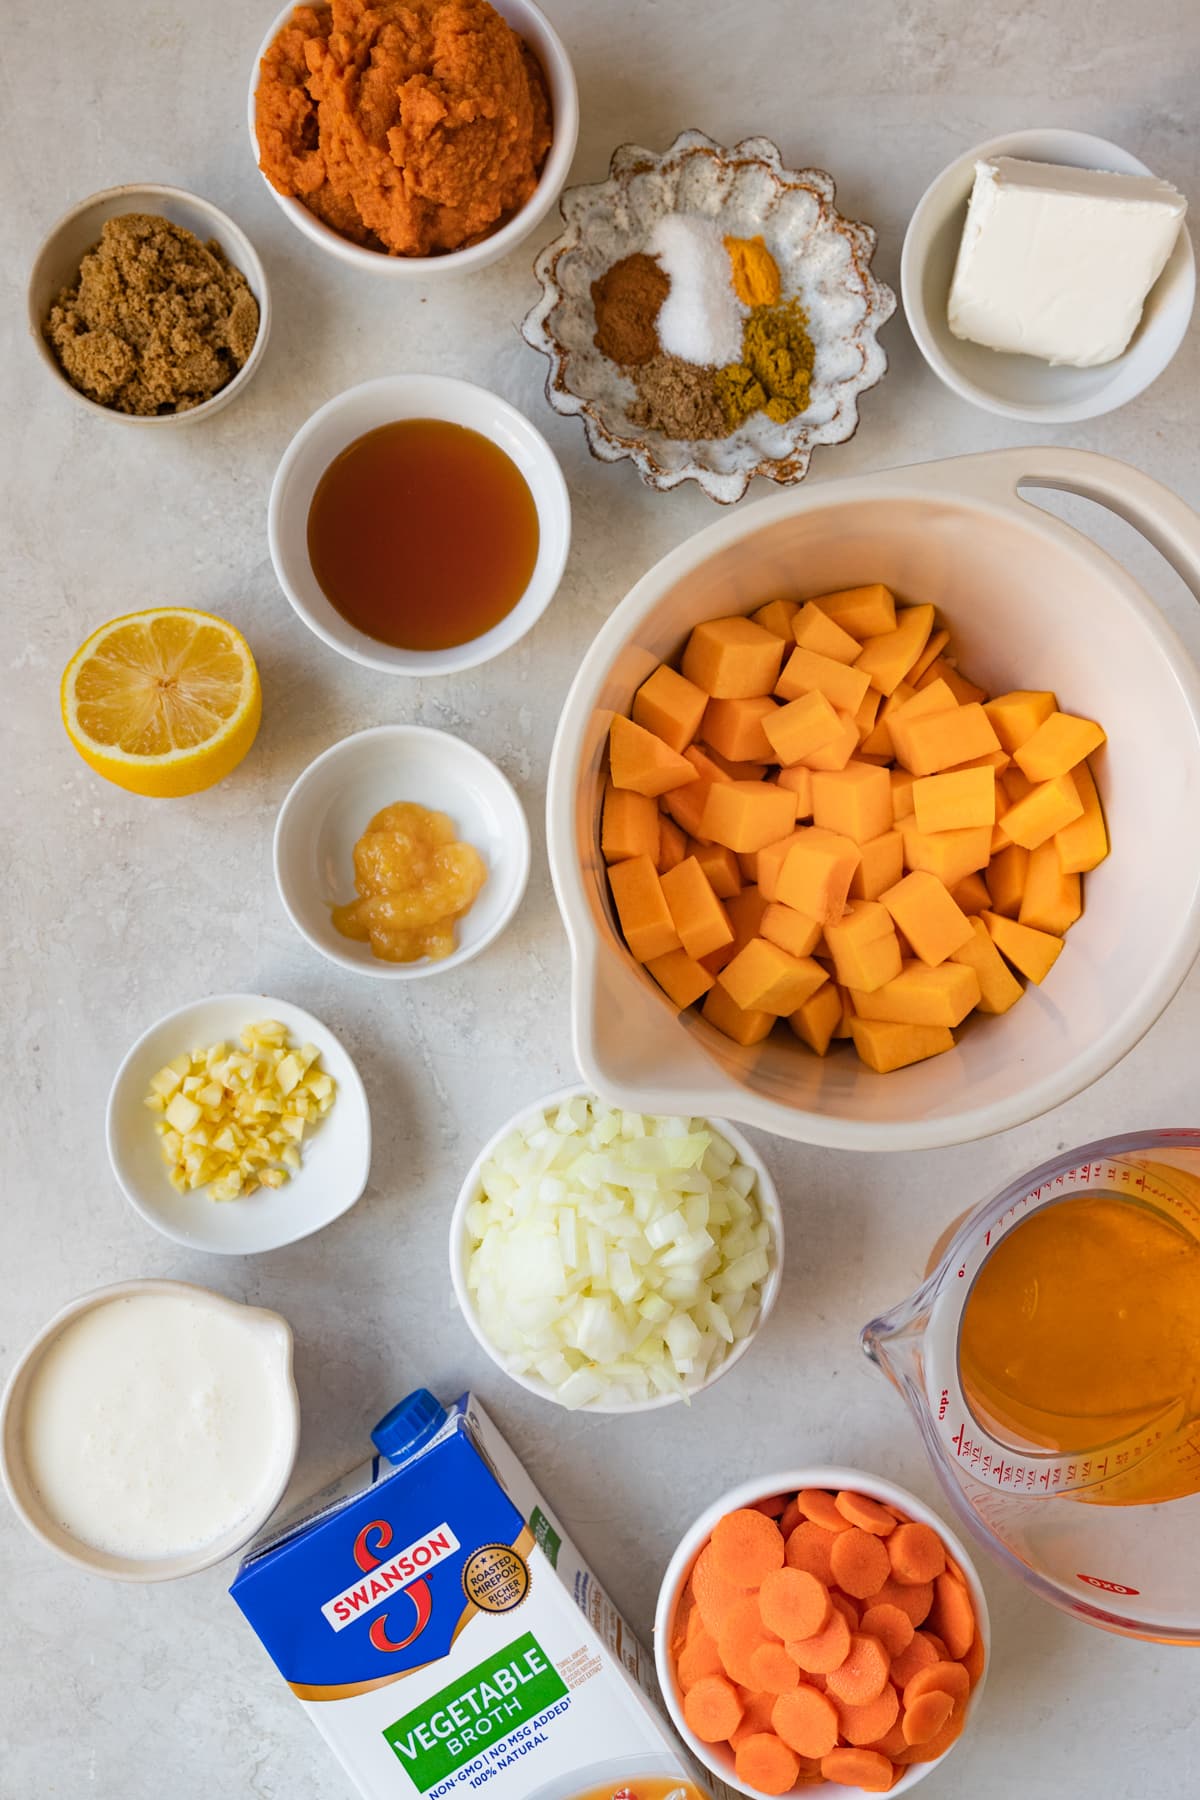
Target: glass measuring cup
<point>1091,1530</point>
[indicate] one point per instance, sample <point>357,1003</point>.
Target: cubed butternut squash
<point>864,946</point>
<point>930,742</point>
<point>866,714</point>
<point>933,649</point>
<point>770,860</point>
<point>971,895</point>
<point>628,824</point>
<point>964,691</point>
<point>1052,901</point>
<point>670,706</point>
<point>672,844</point>
<point>950,855</point>
<point>642,908</point>
<point>815,1021</point>
<point>1043,812</point>
<point>998,986</point>
<point>1016,716</point>
<point>800,727</point>
<point>710,765</point>
<point>878,741</point>
<point>776,617</point>
<point>1005,878</point>
<point>680,977</point>
<point>640,761</point>
<point>745,1028</point>
<point>902,794</point>
<point>814,630</point>
<point>701,922</point>
<point>1059,743</point>
<point>919,995</point>
<point>733,659</point>
<point>805,672</point>
<point>862,611</point>
<point>734,728</point>
<point>791,930</point>
<point>856,801</point>
<point>765,978</point>
<point>923,910</point>
<point>745,815</point>
<point>686,806</point>
<point>952,801</point>
<point>1083,844</point>
<point>720,865</point>
<point>745,912</point>
<point>799,780</point>
<point>837,753</point>
<point>885,1047</point>
<point>816,874</point>
<point>881,866</point>
<point>888,657</point>
<point>1034,953</point>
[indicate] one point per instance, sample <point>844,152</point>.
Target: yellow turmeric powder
<point>775,372</point>
<point>755,273</point>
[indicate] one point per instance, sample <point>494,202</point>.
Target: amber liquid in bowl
<point>423,534</point>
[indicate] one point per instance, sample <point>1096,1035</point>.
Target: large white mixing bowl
<point>1032,603</point>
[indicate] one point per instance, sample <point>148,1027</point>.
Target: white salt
<point>700,320</point>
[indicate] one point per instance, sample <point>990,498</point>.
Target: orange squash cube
<point>1006,876</point>
<point>799,779</point>
<point>680,977</point>
<point>964,691</point>
<point>902,794</point>
<point>885,1047</point>
<point>670,706</point>
<point>862,611</point>
<point>998,986</point>
<point>856,801</point>
<point>1057,746</point>
<point>803,725</point>
<point>701,922</point>
<point>792,931</point>
<point>878,741</point>
<point>1034,953</point>
<point>734,728</point>
<point>928,917</point>
<point>776,617</point>
<point>628,824</point>
<point>864,947</point>
<point>837,753</point>
<point>955,800</point>
<point>770,860</point>
<point>745,815</point>
<point>733,658</point>
<point>817,1018</point>
<point>887,658</point>
<point>1016,716</point>
<point>1052,901</point>
<point>720,865</point>
<point>807,673</point>
<point>1083,844</point>
<point>686,806</point>
<point>641,761</point>
<point>642,908</point>
<point>950,855</point>
<point>745,913</point>
<point>866,714</point>
<point>881,867</point>
<point>735,771</point>
<point>971,895</point>
<point>672,845</point>
<point>933,649</point>
<point>745,1028</point>
<point>764,978</point>
<point>816,874</point>
<point>705,764</point>
<point>814,630</point>
<point>918,995</point>
<point>1043,812</point>
<point>930,742</point>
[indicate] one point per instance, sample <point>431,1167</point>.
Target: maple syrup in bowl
<point>419,524</point>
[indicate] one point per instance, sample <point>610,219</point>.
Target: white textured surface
<point>118,909</point>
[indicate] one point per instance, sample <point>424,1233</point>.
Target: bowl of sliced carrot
<point>821,1630</point>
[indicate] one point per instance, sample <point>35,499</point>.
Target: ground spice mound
<point>626,299</point>
<point>775,373</point>
<point>677,398</point>
<point>156,321</point>
<point>411,126</point>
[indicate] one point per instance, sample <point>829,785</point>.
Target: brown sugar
<point>410,126</point>
<point>155,322</point>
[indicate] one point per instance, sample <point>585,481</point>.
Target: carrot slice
<point>939,1649</point>
<point>810,1547</point>
<point>757,1705</point>
<point>890,1625</point>
<point>712,1709</point>
<point>952,1615</point>
<point>741,1633</point>
<point>772,1506</point>
<point>765,1762</point>
<point>827,1650</point>
<point>859,1562</point>
<point>865,1724</point>
<point>940,1677</point>
<point>891,1743</point>
<point>865,1769</point>
<point>915,1600</point>
<point>714,1595</point>
<point>790,1517</point>
<point>807,1721</point>
<point>696,1660</point>
<point>793,1603</point>
<point>926,1716</point>
<point>938,1744</point>
<point>973,1661</point>
<point>867,1514</point>
<point>863,1674</point>
<point>919,1655</point>
<point>746,1545</point>
<point>773,1669</point>
<point>822,1509</point>
<point>916,1553</point>
<point>845,1606</point>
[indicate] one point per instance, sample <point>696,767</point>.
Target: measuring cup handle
<point>1161,517</point>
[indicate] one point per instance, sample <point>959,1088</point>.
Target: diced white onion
<point>615,1255</point>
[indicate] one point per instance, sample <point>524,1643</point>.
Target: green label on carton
<point>484,1705</point>
<point>546,1536</point>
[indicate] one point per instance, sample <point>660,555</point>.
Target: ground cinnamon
<point>627,298</point>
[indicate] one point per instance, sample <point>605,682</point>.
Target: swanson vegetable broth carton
<point>445,1635</point>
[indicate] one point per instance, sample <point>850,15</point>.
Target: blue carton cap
<point>410,1423</point>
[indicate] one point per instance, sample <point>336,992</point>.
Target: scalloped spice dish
<point>672,213</point>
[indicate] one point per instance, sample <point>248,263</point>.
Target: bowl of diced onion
<point>612,1261</point>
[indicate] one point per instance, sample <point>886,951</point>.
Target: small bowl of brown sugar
<point>149,304</point>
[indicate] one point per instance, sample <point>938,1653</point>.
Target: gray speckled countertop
<point>117,909</point>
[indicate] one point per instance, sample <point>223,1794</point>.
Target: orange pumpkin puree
<point>411,126</point>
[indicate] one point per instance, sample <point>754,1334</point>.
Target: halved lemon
<point>164,702</point>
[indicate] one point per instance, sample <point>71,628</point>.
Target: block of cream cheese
<point>1056,262</point>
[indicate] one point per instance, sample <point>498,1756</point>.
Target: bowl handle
<point>1161,517</point>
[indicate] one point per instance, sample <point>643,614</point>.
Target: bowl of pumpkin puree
<point>414,137</point>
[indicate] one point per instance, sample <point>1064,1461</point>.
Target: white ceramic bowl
<point>530,23</point>
<point>717,1757</point>
<point>361,409</point>
<point>1025,387</point>
<point>67,242</point>
<point>1031,603</point>
<point>768,1199</point>
<point>331,804</point>
<point>24,1495</point>
<point>335,1154</point>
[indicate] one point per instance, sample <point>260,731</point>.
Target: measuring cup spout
<point>893,1343</point>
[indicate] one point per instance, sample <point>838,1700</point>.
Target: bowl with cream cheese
<point>1048,276</point>
<point>150,1429</point>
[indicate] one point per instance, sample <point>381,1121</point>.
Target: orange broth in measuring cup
<point>1083,1328</point>
<point>423,534</point>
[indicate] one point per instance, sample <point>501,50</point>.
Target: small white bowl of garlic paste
<point>150,1429</point>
